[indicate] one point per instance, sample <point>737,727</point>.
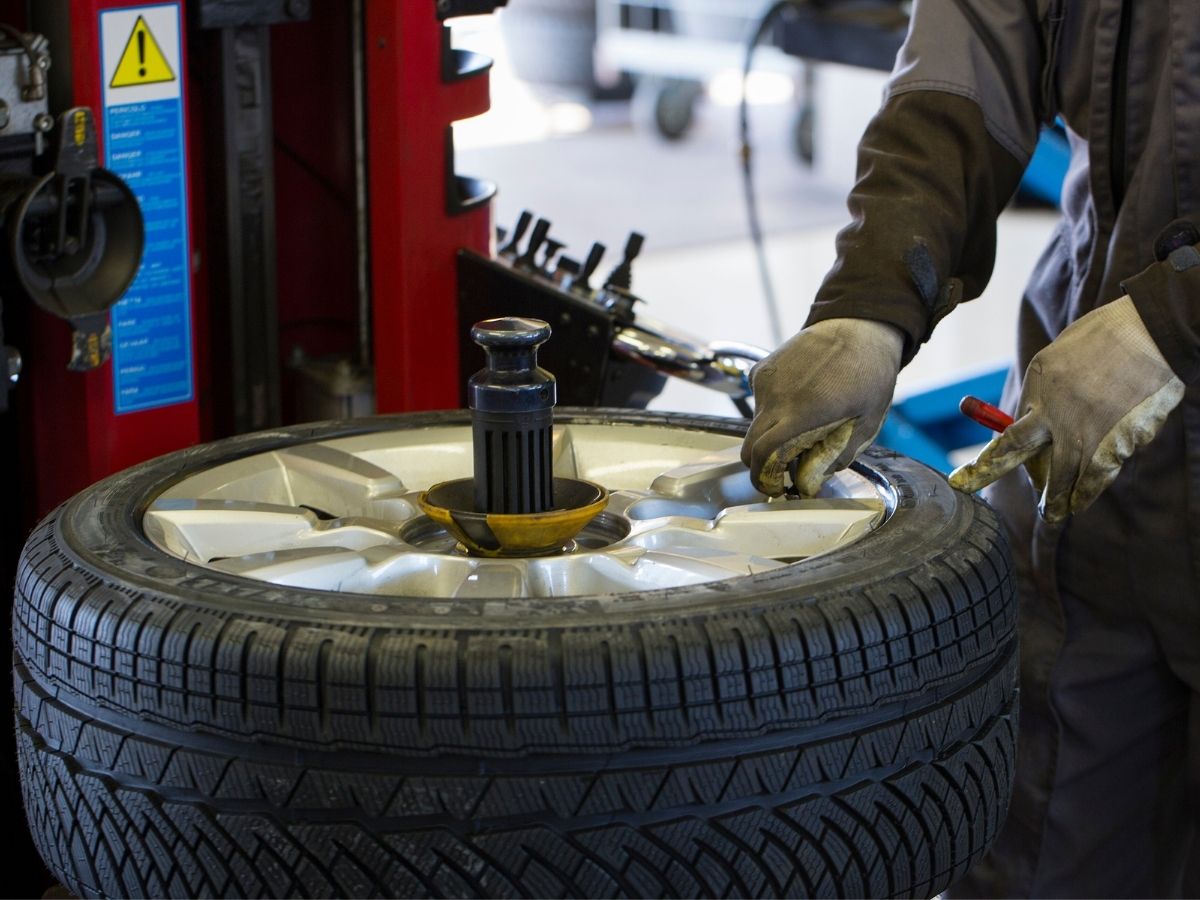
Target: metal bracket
<point>75,239</point>
<point>10,369</point>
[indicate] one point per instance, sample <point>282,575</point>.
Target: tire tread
<point>201,738</point>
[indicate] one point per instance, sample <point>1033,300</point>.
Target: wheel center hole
<point>428,536</point>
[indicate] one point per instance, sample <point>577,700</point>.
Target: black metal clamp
<point>512,411</point>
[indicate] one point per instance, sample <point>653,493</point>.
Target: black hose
<point>765,24</point>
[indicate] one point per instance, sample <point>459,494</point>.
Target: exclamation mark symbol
<point>141,36</point>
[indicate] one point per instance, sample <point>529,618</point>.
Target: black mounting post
<point>512,412</point>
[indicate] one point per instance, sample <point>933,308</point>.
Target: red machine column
<point>421,211</point>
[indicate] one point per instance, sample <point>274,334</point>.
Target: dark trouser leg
<point>1119,798</point>
<point>1191,878</point>
<point>1101,806</point>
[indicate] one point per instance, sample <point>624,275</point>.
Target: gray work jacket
<point>972,86</point>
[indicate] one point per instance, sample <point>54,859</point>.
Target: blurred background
<point>611,116</point>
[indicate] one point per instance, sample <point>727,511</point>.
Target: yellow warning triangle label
<point>142,60</point>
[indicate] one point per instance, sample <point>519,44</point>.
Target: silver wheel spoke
<point>317,568</point>
<point>706,486</point>
<point>562,452</point>
<point>373,570</point>
<point>705,563</point>
<point>796,529</point>
<point>791,529</point>
<point>203,530</point>
<point>412,573</point>
<point>637,569</point>
<point>494,578</point>
<point>339,483</point>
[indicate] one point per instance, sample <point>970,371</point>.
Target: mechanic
<point>1106,525</point>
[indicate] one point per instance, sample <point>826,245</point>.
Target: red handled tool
<point>985,414</point>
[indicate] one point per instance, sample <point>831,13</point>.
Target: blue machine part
<point>928,426</point>
<point>1047,169</point>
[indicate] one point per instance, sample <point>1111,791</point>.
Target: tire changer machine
<point>222,217</point>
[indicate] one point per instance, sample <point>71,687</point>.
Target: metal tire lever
<point>581,284</point>
<point>518,232</point>
<point>528,259</point>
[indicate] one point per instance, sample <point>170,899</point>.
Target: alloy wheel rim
<point>342,515</point>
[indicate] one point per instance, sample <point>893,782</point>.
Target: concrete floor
<point>597,174</point>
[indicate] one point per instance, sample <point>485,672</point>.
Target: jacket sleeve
<point>1167,297</point>
<point>938,163</point>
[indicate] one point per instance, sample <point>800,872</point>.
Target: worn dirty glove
<point>1091,399</point>
<point>820,399</point>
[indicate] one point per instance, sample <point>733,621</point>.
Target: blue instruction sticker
<point>143,127</point>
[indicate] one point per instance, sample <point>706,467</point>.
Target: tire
<point>666,106</point>
<point>843,726</point>
<point>803,137</point>
<point>675,108</point>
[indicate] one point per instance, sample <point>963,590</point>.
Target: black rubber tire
<point>843,726</point>
<point>803,136</point>
<point>666,106</point>
<point>675,108</point>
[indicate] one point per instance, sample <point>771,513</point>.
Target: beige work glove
<point>820,399</point>
<point>1091,399</point>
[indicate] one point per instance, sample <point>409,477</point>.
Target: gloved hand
<point>1092,398</point>
<point>821,398</point>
